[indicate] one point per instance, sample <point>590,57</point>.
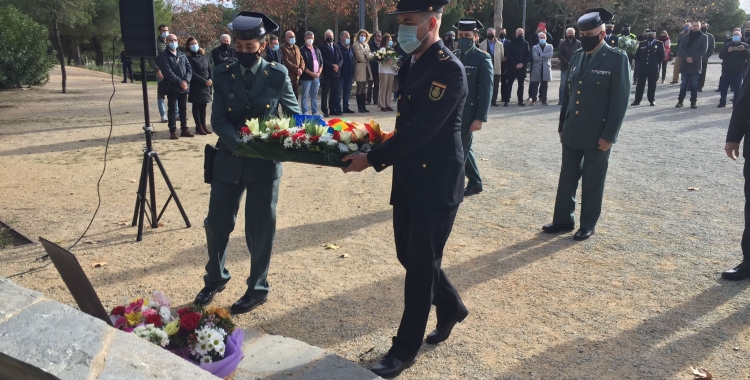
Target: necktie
<point>586,59</point>
<point>249,78</point>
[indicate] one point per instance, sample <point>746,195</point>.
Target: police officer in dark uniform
<point>593,106</point>
<point>428,178</point>
<point>610,36</point>
<point>247,89</point>
<point>648,58</point>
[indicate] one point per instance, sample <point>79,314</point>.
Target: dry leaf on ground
<point>98,265</point>
<point>484,159</point>
<point>133,181</point>
<point>88,242</point>
<point>345,255</point>
<point>693,188</point>
<point>332,246</point>
<point>701,373</point>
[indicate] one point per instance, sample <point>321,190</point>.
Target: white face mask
<point>407,37</point>
<point>309,42</point>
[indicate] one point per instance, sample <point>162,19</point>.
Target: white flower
<point>206,359</point>
<point>353,147</point>
<point>346,137</point>
<point>253,125</point>
<point>165,314</point>
<point>382,50</point>
<point>288,143</point>
<point>326,139</point>
<point>246,138</point>
<point>264,136</point>
<point>366,147</point>
<point>343,148</point>
<point>162,337</point>
<point>221,351</point>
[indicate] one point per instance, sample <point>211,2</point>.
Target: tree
<point>195,18</point>
<point>22,63</point>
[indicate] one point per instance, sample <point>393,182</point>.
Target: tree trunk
<point>336,31</point>
<point>60,55</point>
<point>499,14</point>
<point>375,16</point>
<point>98,50</point>
<point>75,51</point>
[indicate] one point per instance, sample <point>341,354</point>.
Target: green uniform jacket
<point>479,79</point>
<point>595,99</point>
<point>233,104</point>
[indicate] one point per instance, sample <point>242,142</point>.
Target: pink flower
<point>121,322</point>
<point>135,306</point>
<point>161,299</point>
<point>149,312</point>
<point>128,329</point>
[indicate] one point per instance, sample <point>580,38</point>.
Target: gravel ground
<point>642,299</point>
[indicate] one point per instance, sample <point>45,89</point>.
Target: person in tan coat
<point>362,71</point>
<point>494,47</point>
<point>293,61</point>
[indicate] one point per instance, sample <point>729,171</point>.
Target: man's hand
<point>742,47</point>
<point>733,150</point>
<point>299,72</point>
<point>335,68</point>
<point>159,75</point>
<point>209,83</point>
<point>689,59</point>
<point>504,59</point>
<point>358,164</point>
<point>730,49</point>
<point>519,66</point>
<point>604,145</point>
<point>184,85</point>
<point>476,125</point>
<point>560,134</point>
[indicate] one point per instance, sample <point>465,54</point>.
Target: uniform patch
<point>437,91</point>
<point>601,72</point>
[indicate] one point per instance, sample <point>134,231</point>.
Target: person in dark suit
<point>428,178</point>
<point>517,54</point>
<point>251,88</point>
<point>373,85</point>
<point>347,70</point>
<point>329,80</point>
<point>593,106</point>
<point>272,53</point>
<point>177,72</point>
<point>224,53</point>
<point>739,128</point>
<point>648,58</point>
<point>127,67</point>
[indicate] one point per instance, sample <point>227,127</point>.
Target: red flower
<point>337,136</point>
<point>314,139</point>
<point>189,321</point>
<point>118,310</point>
<point>185,310</point>
<point>154,319</point>
<point>245,130</point>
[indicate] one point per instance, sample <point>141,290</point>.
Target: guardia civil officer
<point>479,80</point>
<point>648,58</point>
<point>593,106</point>
<point>428,178</point>
<point>246,89</point>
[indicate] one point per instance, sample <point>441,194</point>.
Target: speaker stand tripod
<point>147,176</point>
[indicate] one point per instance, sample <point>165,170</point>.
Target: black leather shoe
<point>635,104</point>
<point>679,105</point>
<point>693,105</point>
<point>740,272</point>
<point>721,105</point>
<point>505,104</point>
<point>246,304</point>
<point>206,295</point>
<point>443,330</point>
<point>469,191</point>
<point>583,234</point>
<point>390,367</point>
<point>555,228</point>
<point>348,111</point>
<point>325,114</point>
<point>652,104</point>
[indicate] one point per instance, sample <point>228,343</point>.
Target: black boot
<point>359,103</point>
<point>364,107</point>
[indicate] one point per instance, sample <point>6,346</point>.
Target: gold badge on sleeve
<point>437,91</point>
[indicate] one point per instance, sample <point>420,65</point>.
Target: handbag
<point>208,162</point>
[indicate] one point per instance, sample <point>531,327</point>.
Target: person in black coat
<point>127,67</point>
<point>200,85</point>
<point>373,86</point>
<point>329,80</point>
<point>739,127</point>
<point>272,52</point>
<point>648,58</point>
<point>177,72</point>
<point>225,52</point>
<point>347,70</point>
<point>517,54</point>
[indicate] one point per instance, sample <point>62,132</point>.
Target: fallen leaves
<point>123,222</point>
<point>332,246</point>
<point>98,265</point>
<point>701,373</point>
<point>693,188</point>
<point>345,255</point>
<point>133,181</point>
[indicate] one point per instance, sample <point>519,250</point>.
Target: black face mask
<point>519,38</point>
<point>501,36</point>
<point>589,43</point>
<point>609,31</point>
<point>225,46</point>
<point>329,39</point>
<point>248,59</point>
<point>490,36</point>
<point>571,38</point>
<point>650,38</point>
<point>626,31</point>
<point>704,30</point>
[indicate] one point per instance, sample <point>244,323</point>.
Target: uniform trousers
<point>260,229</point>
<point>651,75</point>
<point>470,163</point>
<point>420,237</point>
<point>330,94</point>
<point>591,164</point>
<point>664,70</point>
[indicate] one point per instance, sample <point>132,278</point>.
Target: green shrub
<point>24,46</point>
<point>719,47</point>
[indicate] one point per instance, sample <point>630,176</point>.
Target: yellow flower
<point>254,126</point>
<point>134,318</point>
<point>172,328</point>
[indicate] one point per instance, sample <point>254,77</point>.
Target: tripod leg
<point>146,163</point>
<point>171,189</point>
<point>154,222</point>
<point>141,190</point>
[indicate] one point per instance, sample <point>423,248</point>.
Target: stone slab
<point>334,367</point>
<point>275,355</point>
<point>14,298</point>
<point>53,337</point>
<point>133,358</point>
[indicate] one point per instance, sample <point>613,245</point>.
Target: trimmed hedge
<point>24,50</point>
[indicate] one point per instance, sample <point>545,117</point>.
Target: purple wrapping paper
<point>232,356</point>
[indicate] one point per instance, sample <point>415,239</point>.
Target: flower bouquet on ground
<point>311,142</point>
<point>206,337</point>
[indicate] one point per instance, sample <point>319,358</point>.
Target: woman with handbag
<point>664,38</point>
<point>200,85</point>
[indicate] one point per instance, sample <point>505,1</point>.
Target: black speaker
<point>138,27</point>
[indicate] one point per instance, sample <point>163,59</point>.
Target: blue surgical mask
<point>390,43</point>
<point>407,37</point>
<point>736,38</point>
<point>275,47</point>
<point>347,41</point>
<point>542,42</point>
<point>292,41</point>
<point>173,45</point>
<point>165,35</point>
<point>194,48</point>
<point>362,39</point>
